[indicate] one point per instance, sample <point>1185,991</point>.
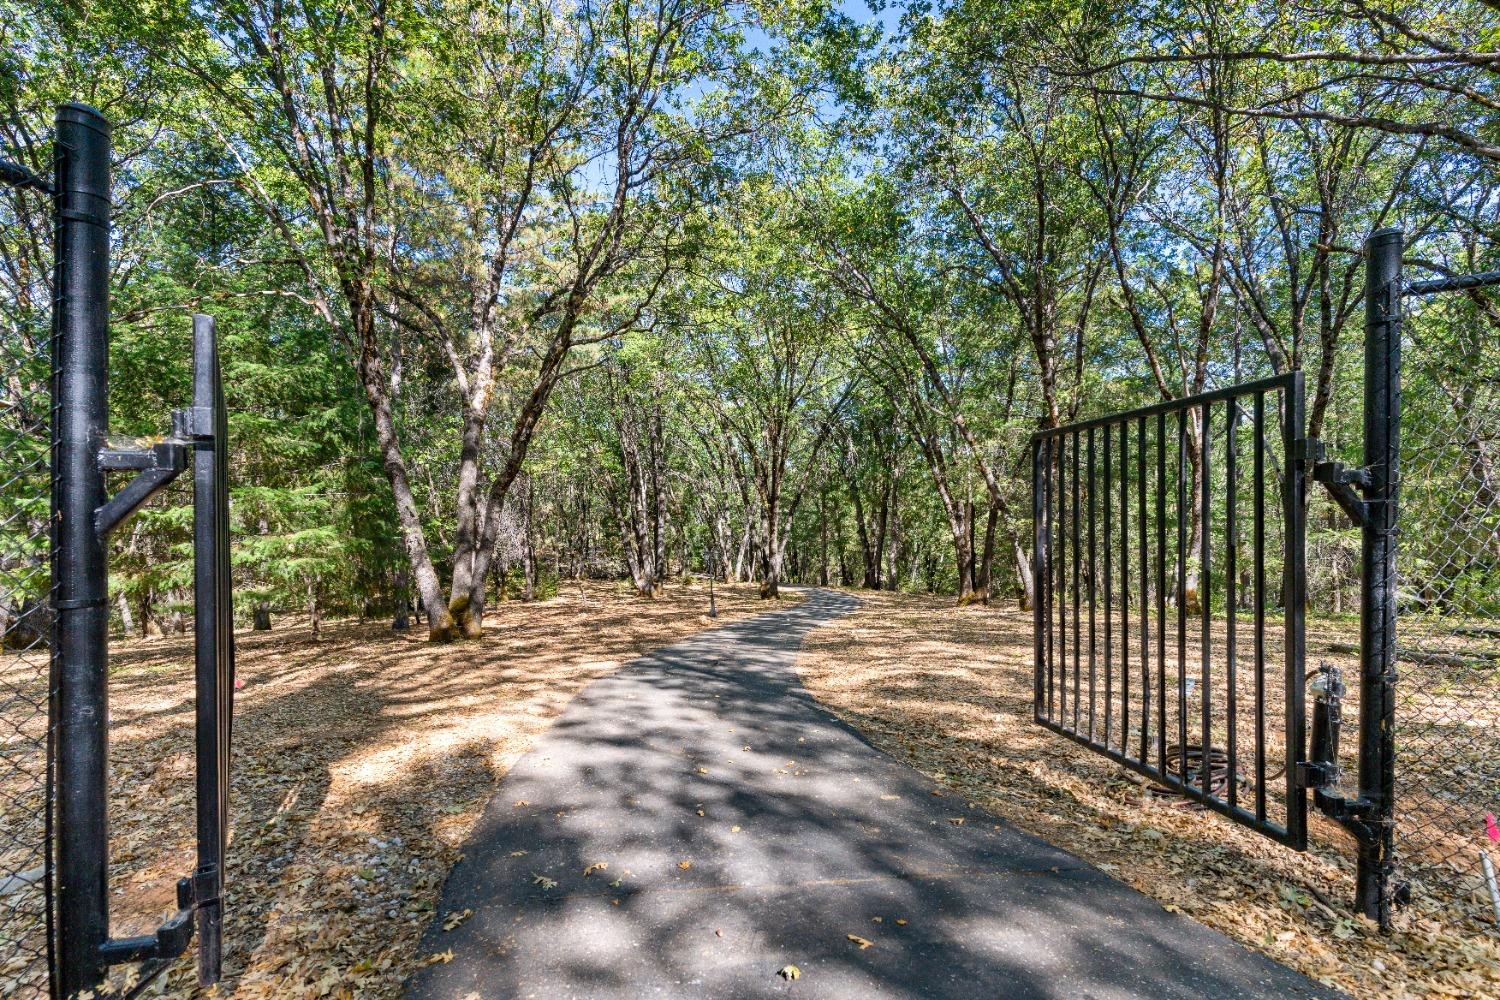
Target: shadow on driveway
<point>744,829</point>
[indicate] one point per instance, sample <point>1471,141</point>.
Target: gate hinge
<point>155,464</point>
<point>1316,774</point>
<point>1358,816</point>
<point>205,886</point>
<point>1339,479</point>
<point>169,940</point>
<point>195,423</point>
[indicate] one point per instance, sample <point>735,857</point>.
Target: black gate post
<point>80,387</point>
<point>213,638</point>
<point>1377,626</point>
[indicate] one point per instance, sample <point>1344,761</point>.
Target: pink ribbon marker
<point>1490,829</point>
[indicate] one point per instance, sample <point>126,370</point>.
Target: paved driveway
<point>738,828</point>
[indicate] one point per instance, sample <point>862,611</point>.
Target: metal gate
<point>1167,540</point>
<point>1141,648</point>
<point>56,941</point>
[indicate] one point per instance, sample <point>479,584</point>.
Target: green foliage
<point>846,272</point>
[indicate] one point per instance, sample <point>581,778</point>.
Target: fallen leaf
<point>789,972</point>
<point>734,829</point>
<point>597,866</point>
<point>684,865</point>
<point>956,820</point>
<point>543,881</point>
<point>900,921</point>
<point>455,918</point>
<point>518,854</point>
<point>439,956</point>
<point>521,803</point>
<point>862,942</point>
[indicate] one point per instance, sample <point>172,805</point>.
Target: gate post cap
<point>83,114</point>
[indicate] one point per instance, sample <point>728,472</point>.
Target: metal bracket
<point>168,942</point>
<point>1339,479</point>
<point>205,885</point>
<point>157,466</point>
<point>1354,815</point>
<point>1317,774</point>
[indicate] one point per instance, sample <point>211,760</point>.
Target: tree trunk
<point>985,573</point>
<point>401,621</point>
<point>377,392</point>
<point>127,620</point>
<point>1027,589</point>
<point>528,543</point>
<point>314,614</point>
<point>822,539</point>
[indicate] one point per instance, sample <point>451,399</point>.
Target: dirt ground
<point>361,762</point>
<point>949,690</point>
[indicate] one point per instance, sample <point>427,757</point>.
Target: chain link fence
<point>25,759</point>
<point>1448,564</point>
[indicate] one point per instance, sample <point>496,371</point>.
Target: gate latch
<point>1322,773</point>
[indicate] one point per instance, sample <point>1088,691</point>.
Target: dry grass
<point>949,690</point>
<point>361,762</point>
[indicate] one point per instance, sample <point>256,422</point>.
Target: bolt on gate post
<point>80,377</point>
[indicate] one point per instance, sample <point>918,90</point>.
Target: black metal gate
<point>1148,582</point>
<point>1167,539</point>
<point>59,942</point>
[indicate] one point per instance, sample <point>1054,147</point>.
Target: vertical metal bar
<point>1141,490</point>
<point>1181,594</point>
<point>1109,589</point>
<point>211,637</point>
<point>1062,577</point>
<point>1050,458</point>
<point>1038,568</point>
<point>1377,625</point>
<point>1077,582</point>
<point>1294,589</point>
<point>1259,494</point>
<point>1161,592</point>
<point>1125,588</point>
<point>1206,589</point>
<point>80,395</point>
<point>1231,597</point>
<point>1093,576</point>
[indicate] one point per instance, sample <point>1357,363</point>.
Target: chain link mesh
<point>1448,627</point>
<point>25,488</point>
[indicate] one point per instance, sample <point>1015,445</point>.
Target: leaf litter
<point>361,763</point>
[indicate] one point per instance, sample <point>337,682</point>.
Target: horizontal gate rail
<point>1142,568</point>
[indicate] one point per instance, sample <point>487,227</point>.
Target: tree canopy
<point>516,292</point>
